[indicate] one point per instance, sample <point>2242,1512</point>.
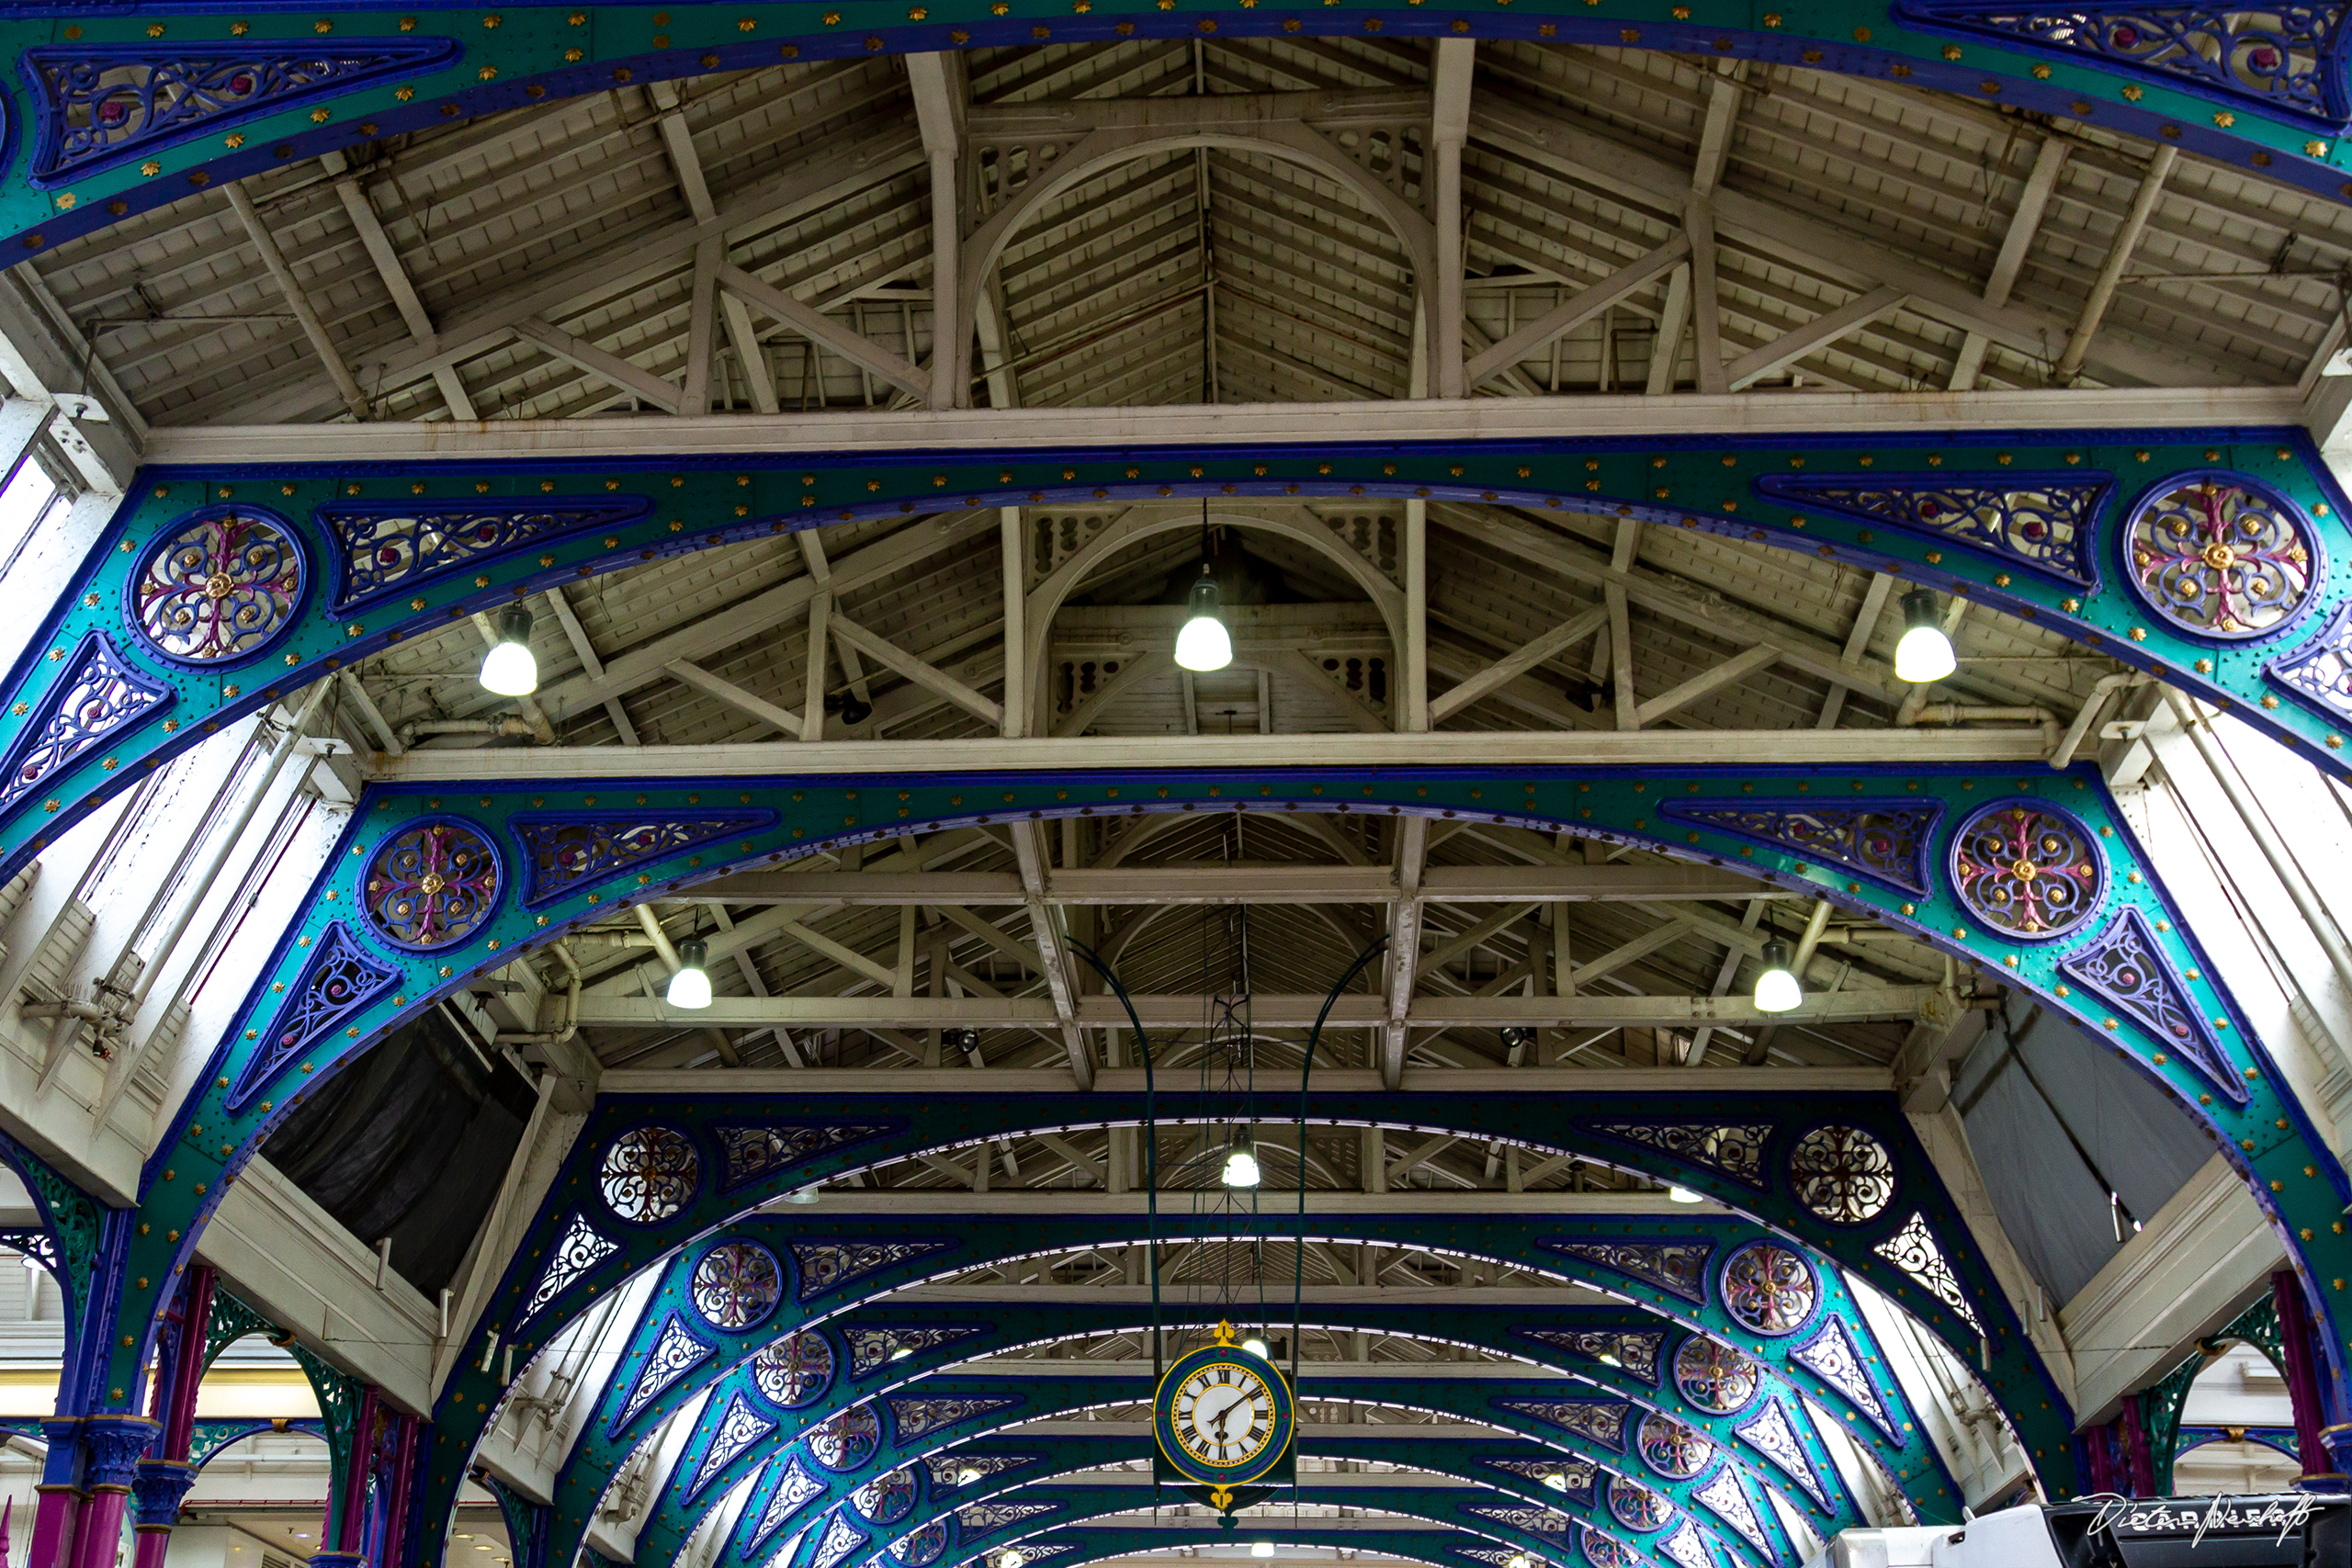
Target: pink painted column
<point>2303,1381</point>
<point>161,1481</point>
<point>112,1444</point>
<point>56,1515</point>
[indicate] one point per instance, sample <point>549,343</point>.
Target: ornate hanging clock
<point>1223,1417</point>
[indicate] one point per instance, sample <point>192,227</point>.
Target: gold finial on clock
<point>1224,1332</point>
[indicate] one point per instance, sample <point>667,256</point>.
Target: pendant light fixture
<point>1777,989</point>
<point>1240,1166</point>
<point>509,669</point>
<point>1925,653</point>
<point>1203,644</point>
<point>690,987</point>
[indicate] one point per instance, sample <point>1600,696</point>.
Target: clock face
<point>1223,1414</point>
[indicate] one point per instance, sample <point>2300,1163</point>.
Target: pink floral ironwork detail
<point>2218,555</point>
<point>650,1173</point>
<point>433,884</point>
<point>737,1284</point>
<point>2027,870</point>
<point>217,586</point>
<point>1715,1377</point>
<point>847,1439</point>
<point>1671,1449</point>
<point>1635,1506</point>
<point>794,1371</point>
<point>1768,1288</point>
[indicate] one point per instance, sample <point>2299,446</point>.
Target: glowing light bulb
<point>1682,1195</point>
<point>1240,1169</point>
<point>1203,644</point>
<point>509,669</point>
<point>1262,1548</point>
<point>690,987</point>
<point>1776,987</point>
<point>1925,653</point>
<point>1257,1347</point>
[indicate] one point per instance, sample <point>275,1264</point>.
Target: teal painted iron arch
<point>1436,1549</point>
<point>342,563</point>
<point>1608,805</point>
<point>79,158</point>
<point>1767,1435</point>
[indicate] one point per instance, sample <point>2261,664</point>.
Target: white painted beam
<point>1815,335</point>
<point>1620,884</point>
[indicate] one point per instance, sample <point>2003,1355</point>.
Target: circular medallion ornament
<point>737,1284</point>
<point>1635,1506</point>
<point>1222,1416</point>
<point>1602,1550</point>
<point>887,1499</point>
<point>1671,1449</point>
<point>847,1439</point>
<point>433,884</point>
<point>923,1547</point>
<point>1842,1174</point>
<point>216,587</point>
<point>1715,1377</point>
<point>2027,870</point>
<point>650,1173</point>
<point>1768,1288</point>
<point>794,1371</point>
<point>2220,555</point>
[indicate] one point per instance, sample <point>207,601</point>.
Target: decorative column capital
<point>338,1560</point>
<point>2338,1441</point>
<point>157,1485</point>
<point>114,1445</point>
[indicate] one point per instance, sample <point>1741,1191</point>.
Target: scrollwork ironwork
<point>2027,870</point>
<point>574,1255</point>
<point>384,548</point>
<point>1832,1356</point>
<point>674,1353</point>
<point>1678,1266</point>
<point>1713,1377</point>
<point>920,1547</point>
<point>102,693</point>
<point>563,852</point>
<point>650,1173</point>
<point>1735,1148</point>
<point>794,1371</point>
<point>871,1349</point>
<point>1671,1449</point>
<point>1634,1351</point>
<point>739,1427</point>
<point>2044,522</point>
<point>914,1417</point>
<point>1914,1249</point>
<point>1729,1501</point>
<point>1768,1288</point>
<point>432,884</point>
<point>217,586</point>
<point>2320,671</point>
<point>887,1499</point>
<point>748,1151</point>
<point>1638,1507</point>
<point>1772,1432</point>
<point>1602,1420</point>
<point>827,1266</point>
<point>2219,554</point>
<point>2124,967</point>
<point>1886,840</point>
<point>847,1439</point>
<point>737,1284</point>
<point>337,983</point>
<point>1841,1174</point>
<point>792,1489</point>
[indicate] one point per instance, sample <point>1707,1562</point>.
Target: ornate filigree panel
<point>1772,1432</point>
<point>1768,1288</point>
<point>1841,1174</point>
<point>1713,1377</point>
<point>583,1247</point>
<point>2287,58</point>
<point>340,978</point>
<point>1685,1548</point>
<point>1677,1266</point>
<point>841,1538</point>
<point>846,1439</point>
<point>2028,871</point>
<point>101,104</point>
<point>1601,1420</point>
<point>216,587</point>
<point>1914,1249</point>
<point>2124,967</point>
<point>827,1266</point>
<point>1631,1350</point>
<point>2044,522</point>
<point>1635,1506</point>
<point>913,1416</point>
<point>674,1353</point>
<point>565,851</point>
<point>1887,841</point>
<point>751,1151</point>
<point>737,1429</point>
<point>1532,1521</point>
<point>736,1284</point>
<point>433,884</point>
<point>922,1547</point>
<point>1671,1449</point>
<point>101,694</point>
<point>1737,1149</point>
<point>871,1349</point>
<point>1832,1356</point>
<point>384,548</point>
<point>792,1491</point>
<point>2320,671</point>
<point>985,1519</point>
<point>951,1469</point>
<point>887,1499</point>
<point>1729,1501</point>
<point>1603,1552</point>
<point>793,1370</point>
<point>1571,1475</point>
<point>650,1173</point>
<point>2220,555</point>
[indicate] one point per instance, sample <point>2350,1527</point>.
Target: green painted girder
<point>1912,1469</point>
<point>1067,1394</point>
<point>914,1247</point>
<point>1510,1471</point>
<point>2268,1138</point>
<point>1071,1547</point>
<point>513,56</point>
<point>1709,483</point>
<point>1456,1507</point>
<point>212,1436</point>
